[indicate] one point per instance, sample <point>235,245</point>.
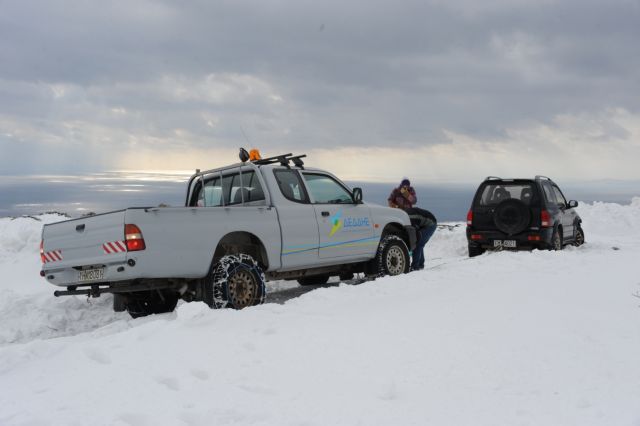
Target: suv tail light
<point>545,219</point>
<point>42,252</point>
<point>133,237</point>
<point>469,218</point>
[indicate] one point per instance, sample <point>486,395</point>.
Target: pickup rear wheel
<point>141,304</point>
<point>237,281</point>
<point>392,257</point>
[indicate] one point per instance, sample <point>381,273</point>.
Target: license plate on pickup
<point>91,274</point>
<point>504,243</point>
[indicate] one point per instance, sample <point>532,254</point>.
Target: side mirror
<point>357,195</point>
<point>572,204</point>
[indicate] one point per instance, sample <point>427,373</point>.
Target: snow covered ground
<point>541,338</point>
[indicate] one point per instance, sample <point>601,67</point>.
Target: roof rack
<point>493,178</point>
<point>283,159</point>
<point>538,177</point>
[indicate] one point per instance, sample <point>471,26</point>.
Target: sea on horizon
<point>76,195</point>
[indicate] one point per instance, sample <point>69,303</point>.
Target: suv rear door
<point>567,215</point>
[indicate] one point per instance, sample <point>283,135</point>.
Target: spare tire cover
<point>512,216</point>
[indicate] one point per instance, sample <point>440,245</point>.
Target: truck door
<point>346,228</point>
<point>298,223</point>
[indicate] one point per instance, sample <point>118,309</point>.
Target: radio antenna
<point>245,135</point>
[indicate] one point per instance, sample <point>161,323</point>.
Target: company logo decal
<point>348,222</point>
<point>336,220</point>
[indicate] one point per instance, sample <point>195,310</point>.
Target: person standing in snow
<point>426,224</point>
<point>403,197</point>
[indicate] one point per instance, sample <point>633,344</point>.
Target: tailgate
<point>91,240</point>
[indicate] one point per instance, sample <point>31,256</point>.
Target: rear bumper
<point>530,239</point>
<point>97,289</point>
<point>63,277</point>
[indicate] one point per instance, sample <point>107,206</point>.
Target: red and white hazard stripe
<point>114,247</point>
<point>52,256</point>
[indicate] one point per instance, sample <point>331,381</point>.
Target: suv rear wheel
<point>556,240</point>
<point>579,237</point>
<point>475,251</point>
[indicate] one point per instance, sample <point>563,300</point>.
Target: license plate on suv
<point>96,274</point>
<point>504,243</point>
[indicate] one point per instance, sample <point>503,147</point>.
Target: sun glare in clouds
<point>568,148</point>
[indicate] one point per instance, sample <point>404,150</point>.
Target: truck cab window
<point>231,187</point>
<point>251,187</point>
<point>326,190</point>
<point>291,186</point>
<point>213,192</point>
<point>208,192</point>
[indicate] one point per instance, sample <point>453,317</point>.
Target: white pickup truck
<point>270,219</point>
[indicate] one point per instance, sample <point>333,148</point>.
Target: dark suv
<point>521,214</point>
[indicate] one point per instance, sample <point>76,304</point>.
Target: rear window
<point>228,190</point>
<point>495,193</point>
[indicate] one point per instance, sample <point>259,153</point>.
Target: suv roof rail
<point>493,178</point>
<point>538,177</point>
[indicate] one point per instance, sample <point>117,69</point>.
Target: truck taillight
<point>42,251</point>
<point>469,218</point>
<point>545,219</point>
<point>133,237</point>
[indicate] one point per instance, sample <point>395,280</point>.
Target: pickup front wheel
<point>237,281</point>
<point>392,257</point>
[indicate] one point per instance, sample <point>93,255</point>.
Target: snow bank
<point>28,310</point>
<point>608,221</point>
<point>503,338</point>
<point>19,253</point>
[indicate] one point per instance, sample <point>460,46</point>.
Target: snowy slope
<point>541,338</point>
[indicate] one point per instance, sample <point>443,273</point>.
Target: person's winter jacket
<point>403,197</point>
<point>421,218</point>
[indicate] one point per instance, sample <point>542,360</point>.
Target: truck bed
<point>180,242</point>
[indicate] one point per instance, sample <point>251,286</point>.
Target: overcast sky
<point>433,90</point>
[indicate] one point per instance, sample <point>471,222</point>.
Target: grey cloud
<point>378,73</point>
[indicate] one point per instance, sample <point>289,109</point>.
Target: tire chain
<point>222,272</point>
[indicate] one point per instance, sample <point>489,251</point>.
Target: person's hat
<point>405,182</point>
